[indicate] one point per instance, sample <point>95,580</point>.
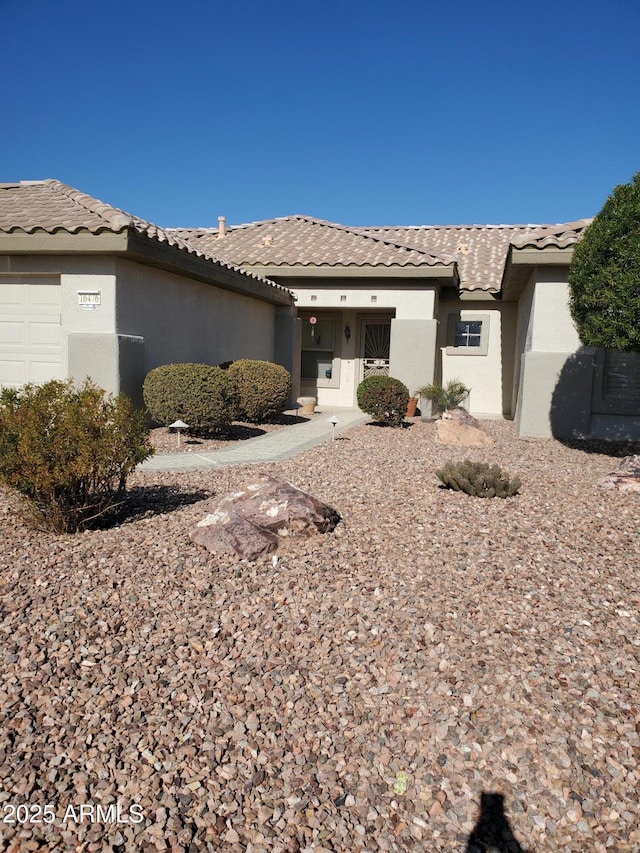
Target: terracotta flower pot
<point>411,407</point>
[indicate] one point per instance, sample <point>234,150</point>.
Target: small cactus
<point>478,479</point>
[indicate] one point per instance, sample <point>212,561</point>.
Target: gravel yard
<point>477,646</point>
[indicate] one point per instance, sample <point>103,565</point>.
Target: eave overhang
<point>131,245</point>
<point>521,264</point>
<point>443,272</point>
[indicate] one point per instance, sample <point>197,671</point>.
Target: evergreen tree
<point>604,276</point>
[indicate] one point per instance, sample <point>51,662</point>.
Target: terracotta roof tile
<point>50,206</point>
<point>480,251</point>
<point>304,241</point>
<point>559,236</point>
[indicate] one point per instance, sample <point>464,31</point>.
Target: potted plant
<point>412,405</point>
<point>443,397</point>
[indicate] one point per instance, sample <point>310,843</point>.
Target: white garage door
<point>30,332</point>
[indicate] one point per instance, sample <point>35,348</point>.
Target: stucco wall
<point>411,310</point>
<point>555,376</point>
<point>185,320</point>
<point>407,302</point>
<point>490,375</point>
<point>142,317</point>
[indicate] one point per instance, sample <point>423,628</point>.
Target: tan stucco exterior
<point>119,318</point>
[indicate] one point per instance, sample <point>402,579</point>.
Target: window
<point>318,342</point>
<point>467,334</point>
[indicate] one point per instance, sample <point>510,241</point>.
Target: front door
<point>376,339</point>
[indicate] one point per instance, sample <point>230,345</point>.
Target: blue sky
<point>357,111</point>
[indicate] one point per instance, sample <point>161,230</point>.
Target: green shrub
<point>203,396</point>
<point>478,479</point>
<point>604,276</point>
<point>263,389</point>
<point>449,396</point>
<point>69,450</point>
<point>384,398</point>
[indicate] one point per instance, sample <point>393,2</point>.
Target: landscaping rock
<point>460,416</point>
<point>626,478</point>
<point>451,431</point>
<point>251,521</point>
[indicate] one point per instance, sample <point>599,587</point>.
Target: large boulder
<point>459,429</point>
<point>626,478</point>
<point>253,520</point>
<point>460,416</point>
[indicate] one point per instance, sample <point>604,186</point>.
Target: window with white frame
<point>467,334</point>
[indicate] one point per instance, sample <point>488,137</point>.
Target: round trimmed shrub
<point>69,450</point>
<point>384,398</point>
<point>263,389</point>
<point>202,395</point>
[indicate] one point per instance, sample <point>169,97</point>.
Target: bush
<point>384,398</point>
<point>263,389</point>
<point>203,396</point>
<point>604,276</point>
<point>449,396</point>
<point>69,450</point>
<point>478,479</point>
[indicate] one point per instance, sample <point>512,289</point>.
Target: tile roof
<point>305,241</point>
<point>559,236</point>
<point>479,251</point>
<point>50,206</point>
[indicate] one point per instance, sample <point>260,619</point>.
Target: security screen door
<point>376,340</point>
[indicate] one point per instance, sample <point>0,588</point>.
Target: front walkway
<point>270,447</point>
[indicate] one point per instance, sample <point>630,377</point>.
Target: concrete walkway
<point>270,447</point>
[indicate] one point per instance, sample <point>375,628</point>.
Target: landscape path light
<point>178,425</point>
<point>333,420</point>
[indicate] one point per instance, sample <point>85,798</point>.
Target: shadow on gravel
<point>616,449</point>
<point>147,501</point>
<point>241,431</point>
<point>492,832</point>
<point>383,425</point>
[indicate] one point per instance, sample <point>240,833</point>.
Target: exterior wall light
<point>347,333</point>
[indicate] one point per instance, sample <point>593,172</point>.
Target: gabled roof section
<point>553,236</point>
<point>480,251</point>
<point>50,207</point>
<point>302,241</point>
<point>550,245</point>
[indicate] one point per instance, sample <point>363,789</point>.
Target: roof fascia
<point>128,243</point>
<point>61,242</point>
<point>521,264</point>
<point>369,271</point>
<point>547,256</point>
<point>173,259</point>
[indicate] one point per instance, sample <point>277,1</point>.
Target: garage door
<point>30,332</point>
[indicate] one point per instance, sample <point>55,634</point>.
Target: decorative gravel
<point>475,646</point>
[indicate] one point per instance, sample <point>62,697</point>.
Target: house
<point>486,304</point>
<point>87,290</point>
